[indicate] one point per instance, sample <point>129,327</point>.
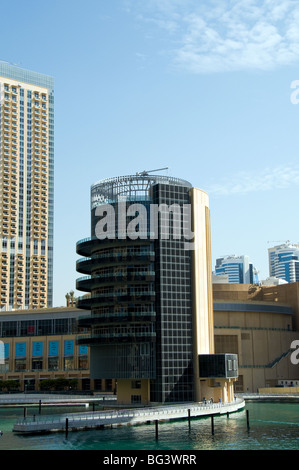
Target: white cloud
<point>281,177</point>
<point>218,36</point>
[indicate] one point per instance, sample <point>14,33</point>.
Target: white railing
<point>24,398</point>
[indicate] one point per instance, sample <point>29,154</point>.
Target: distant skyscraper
<point>238,269</point>
<point>284,262</point>
<point>26,188</point>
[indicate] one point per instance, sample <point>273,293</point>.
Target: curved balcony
<point>119,317</point>
<point>87,246</point>
<point>85,265</point>
<point>84,246</point>
<point>94,300</point>
<point>114,338</point>
<point>87,283</point>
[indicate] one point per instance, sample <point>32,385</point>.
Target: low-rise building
<point>259,323</point>
<point>40,345</point>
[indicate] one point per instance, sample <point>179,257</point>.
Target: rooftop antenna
<point>146,172</point>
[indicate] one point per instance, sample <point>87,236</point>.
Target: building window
<point>9,328</point>
<point>29,385</point>
<point>28,328</point>
<point>44,327</point>
<point>83,363</point>
<point>136,384</point>
<point>53,363</point>
<point>109,385</point>
<point>61,325</point>
<point>37,364</point>
<point>69,363</point>
<point>135,399</point>
<point>85,384</point>
<point>20,365</point>
<point>98,384</point>
<point>4,367</point>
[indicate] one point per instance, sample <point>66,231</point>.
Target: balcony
<point>87,283</point>
<point>119,317</point>
<point>87,246</point>
<point>113,338</point>
<point>84,265</point>
<point>91,301</point>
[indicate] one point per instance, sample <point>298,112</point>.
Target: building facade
<point>238,269</point>
<point>26,188</point>
<point>149,280</point>
<point>259,324</point>
<point>40,344</point>
<point>40,352</point>
<point>284,262</point>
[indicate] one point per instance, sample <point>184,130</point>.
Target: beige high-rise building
<point>26,188</point>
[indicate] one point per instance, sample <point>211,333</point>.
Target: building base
<point>133,391</point>
<point>221,390</point>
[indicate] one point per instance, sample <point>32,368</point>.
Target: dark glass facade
<point>140,287</point>
<point>174,379</point>
<point>218,366</point>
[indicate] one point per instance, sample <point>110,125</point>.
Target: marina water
<point>272,426</point>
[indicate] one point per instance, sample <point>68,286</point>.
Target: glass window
<point>4,367</point>
<point>9,328</point>
<point>61,325</point>
<point>45,327</point>
<point>27,328</point>
<point>37,364</point>
<point>83,362</point>
<point>68,363</point>
<point>136,384</point>
<point>20,364</point>
<point>135,399</point>
<point>53,363</point>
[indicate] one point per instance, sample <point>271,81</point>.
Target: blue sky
<point>201,87</point>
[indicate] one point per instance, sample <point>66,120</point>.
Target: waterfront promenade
<point>121,417</point>
<point>36,399</point>
<point>281,396</point>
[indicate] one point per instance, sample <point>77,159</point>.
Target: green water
<point>273,426</point>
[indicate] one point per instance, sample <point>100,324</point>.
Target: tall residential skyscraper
<point>238,269</point>
<point>284,261</point>
<point>150,284</point>
<point>26,188</point>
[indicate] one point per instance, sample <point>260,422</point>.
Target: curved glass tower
<point>149,289</point>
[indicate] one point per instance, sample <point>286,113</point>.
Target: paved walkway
<point>23,399</point>
<point>269,396</point>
